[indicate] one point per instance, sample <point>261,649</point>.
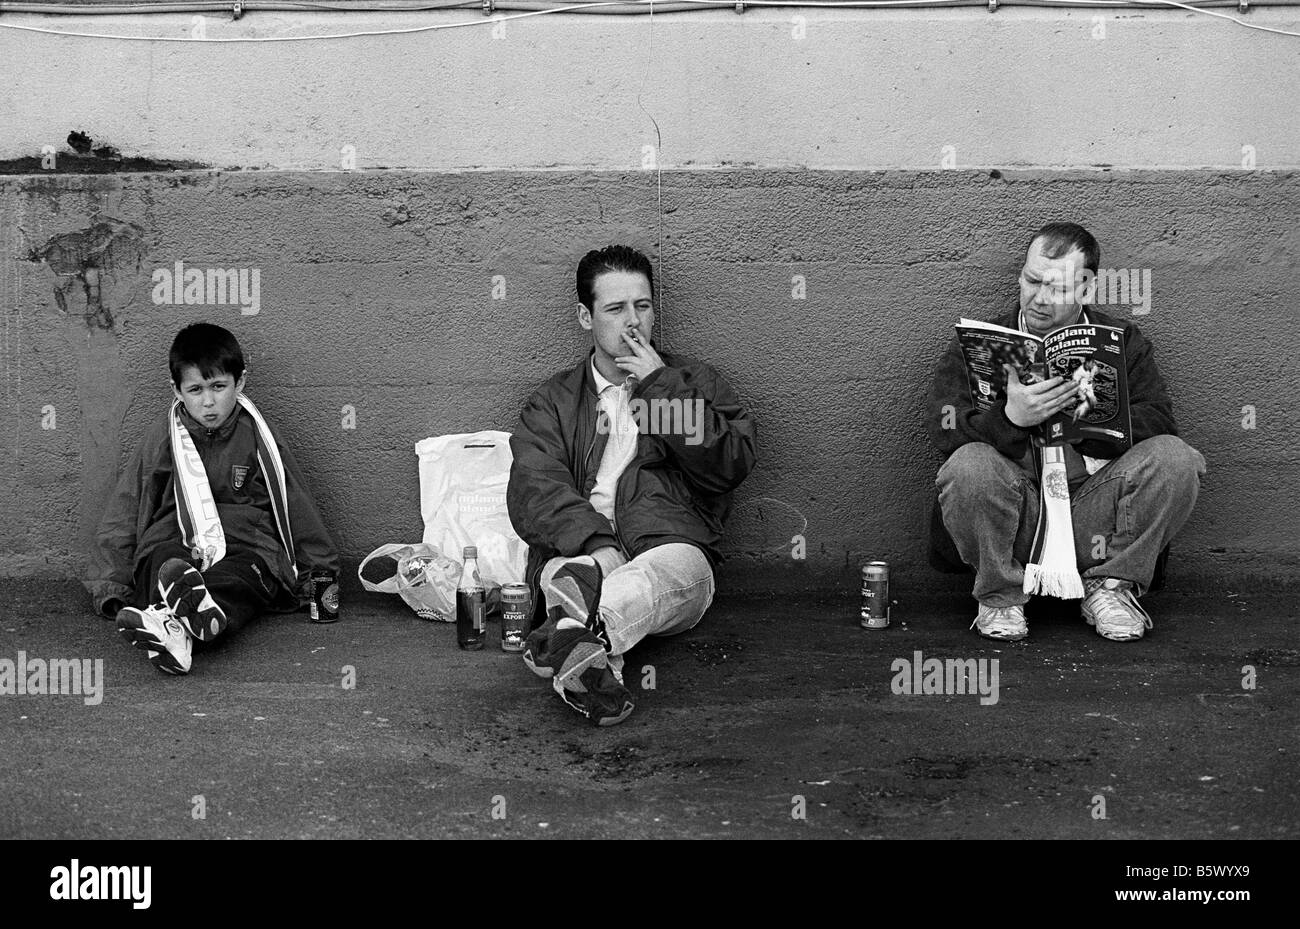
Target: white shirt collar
<point>602,382</point>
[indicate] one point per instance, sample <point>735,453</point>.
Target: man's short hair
<point>209,348</point>
<point>610,258</point>
<point>1059,239</point>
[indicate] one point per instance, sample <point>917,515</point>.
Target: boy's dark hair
<point>610,258</point>
<point>209,348</point>
<point>1062,238</point>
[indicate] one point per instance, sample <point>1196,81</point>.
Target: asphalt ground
<point>774,718</point>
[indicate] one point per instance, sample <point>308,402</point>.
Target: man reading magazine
<point>1125,503</point>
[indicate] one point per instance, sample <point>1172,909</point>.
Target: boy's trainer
<point>156,631</point>
<point>186,595</point>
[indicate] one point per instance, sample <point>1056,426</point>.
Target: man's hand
<point>643,361</point>
<point>1029,406</point>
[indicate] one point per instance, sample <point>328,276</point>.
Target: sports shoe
<point>575,660</point>
<point>1004,623</point>
<point>563,648</point>
<point>155,630</point>
<point>1111,606</point>
<point>597,695</point>
<point>186,595</point>
<point>576,589</point>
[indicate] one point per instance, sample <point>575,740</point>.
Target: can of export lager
<point>875,595</point>
<point>324,597</point>
<point>515,613</point>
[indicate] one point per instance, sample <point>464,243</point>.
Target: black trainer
<point>186,595</point>
<point>576,588</point>
<point>597,695</point>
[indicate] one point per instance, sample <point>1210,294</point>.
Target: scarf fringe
<point>1053,582</point>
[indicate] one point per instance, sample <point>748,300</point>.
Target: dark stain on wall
<point>83,258</point>
<point>97,270</point>
<point>84,157</point>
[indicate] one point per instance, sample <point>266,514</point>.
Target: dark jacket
<point>1150,408</point>
<point>671,491</point>
<point>141,514</point>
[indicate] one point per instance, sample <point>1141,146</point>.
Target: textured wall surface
<point>827,88</point>
<point>377,293</point>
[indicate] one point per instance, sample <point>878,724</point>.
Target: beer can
<point>875,595</point>
<point>324,597</point>
<point>516,603</point>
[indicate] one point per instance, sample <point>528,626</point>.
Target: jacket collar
<point>222,432</point>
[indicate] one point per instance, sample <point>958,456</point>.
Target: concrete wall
<point>837,89</point>
<point>785,147</point>
<point>376,292</point>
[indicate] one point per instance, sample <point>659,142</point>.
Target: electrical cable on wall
<point>529,9</point>
<point>626,7</point>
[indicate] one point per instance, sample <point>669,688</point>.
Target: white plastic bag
<point>425,579</point>
<point>463,482</point>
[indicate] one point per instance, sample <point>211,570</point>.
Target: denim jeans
<point>663,591</point>
<point>1123,515</point>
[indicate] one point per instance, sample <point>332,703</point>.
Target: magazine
<point>1089,354</point>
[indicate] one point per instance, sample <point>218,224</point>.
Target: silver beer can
<point>875,595</point>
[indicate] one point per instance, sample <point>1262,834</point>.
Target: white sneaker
<point>1005,623</point>
<point>155,630</point>
<point>1112,607</point>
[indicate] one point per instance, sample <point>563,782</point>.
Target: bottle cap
<point>471,551</point>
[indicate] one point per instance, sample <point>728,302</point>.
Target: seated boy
<point>210,523</point>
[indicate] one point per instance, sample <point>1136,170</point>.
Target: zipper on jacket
<point>618,533</point>
<point>590,448</point>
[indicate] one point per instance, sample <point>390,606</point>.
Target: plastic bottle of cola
<point>471,603</point>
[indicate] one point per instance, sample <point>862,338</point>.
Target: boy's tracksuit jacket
<point>141,515</point>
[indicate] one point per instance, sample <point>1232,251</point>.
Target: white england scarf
<point>1052,569</point>
<point>196,511</point>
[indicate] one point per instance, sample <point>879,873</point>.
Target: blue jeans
<point>1123,515</point>
<point>664,591</point>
